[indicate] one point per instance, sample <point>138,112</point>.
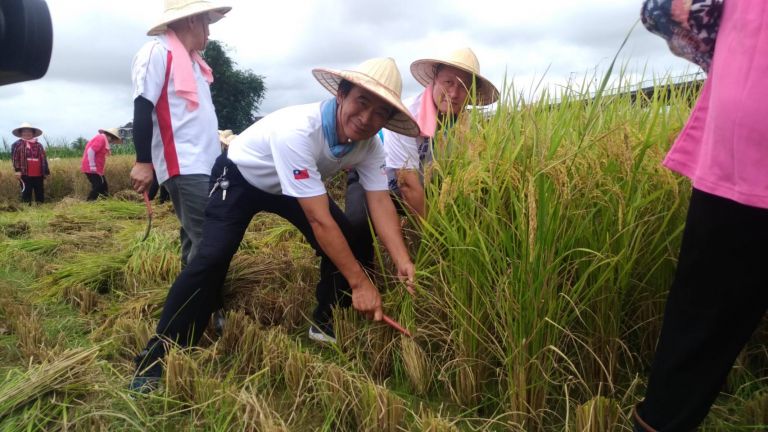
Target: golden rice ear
<point>256,413</point>
<point>598,414</point>
<point>298,372</point>
<point>378,409</point>
<point>182,373</point>
<point>431,422</point>
<point>756,409</point>
<point>416,365</point>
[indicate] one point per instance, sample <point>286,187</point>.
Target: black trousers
<point>155,188</point>
<point>34,185</point>
<point>717,299</point>
<point>99,186</point>
<point>356,211</point>
<point>192,296</point>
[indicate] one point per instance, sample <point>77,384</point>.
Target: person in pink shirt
<point>95,158</point>
<point>720,291</point>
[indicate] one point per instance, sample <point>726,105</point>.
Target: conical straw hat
<point>112,131</point>
<point>178,9</point>
<point>381,77</point>
<point>36,131</point>
<point>464,59</point>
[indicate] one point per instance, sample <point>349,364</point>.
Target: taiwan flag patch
<point>300,174</point>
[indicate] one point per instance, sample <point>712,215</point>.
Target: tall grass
<point>66,180</point>
<point>551,237</point>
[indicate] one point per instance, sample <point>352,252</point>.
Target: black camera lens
<point>26,40</point>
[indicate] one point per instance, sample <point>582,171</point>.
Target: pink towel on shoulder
<point>427,118</point>
<point>183,75</point>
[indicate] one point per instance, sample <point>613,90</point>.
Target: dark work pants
<point>33,185</point>
<point>155,188</point>
<point>98,186</point>
<point>190,301</point>
<point>717,299</point>
<point>356,211</point>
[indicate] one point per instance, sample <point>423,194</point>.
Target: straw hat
<point>381,77</point>
<point>36,131</point>
<point>465,59</point>
<point>226,137</point>
<point>112,131</point>
<point>178,9</point>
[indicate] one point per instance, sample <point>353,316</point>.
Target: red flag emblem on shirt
<point>300,174</point>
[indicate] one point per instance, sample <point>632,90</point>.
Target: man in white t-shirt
<point>279,165</point>
<point>175,125</point>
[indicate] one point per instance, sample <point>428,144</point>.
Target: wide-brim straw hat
<point>178,9</point>
<point>381,77</point>
<point>37,131</point>
<point>464,59</point>
<point>112,131</point>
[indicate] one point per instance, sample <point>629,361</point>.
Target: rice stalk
<point>598,414</point>
<point>71,372</point>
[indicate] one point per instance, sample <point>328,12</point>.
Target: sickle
<point>148,205</point>
<point>395,325</point>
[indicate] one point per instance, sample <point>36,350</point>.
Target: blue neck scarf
<point>328,117</point>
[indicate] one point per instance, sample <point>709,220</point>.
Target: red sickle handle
<point>395,325</point>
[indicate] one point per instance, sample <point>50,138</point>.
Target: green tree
<point>79,143</point>
<point>236,93</point>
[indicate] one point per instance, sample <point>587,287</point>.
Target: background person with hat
<point>448,83</point>
<point>29,162</point>
<point>174,121</point>
<point>175,125</point>
<point>279,165</point>
<point>95,158</point>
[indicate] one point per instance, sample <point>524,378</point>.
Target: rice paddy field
<point>543,268</point>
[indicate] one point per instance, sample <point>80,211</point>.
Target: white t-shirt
<point>286,153</point>
<point>183,142</point>
<point>404,152</point>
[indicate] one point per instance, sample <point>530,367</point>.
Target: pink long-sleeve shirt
<point>95,155</point>
<point>723,148</point>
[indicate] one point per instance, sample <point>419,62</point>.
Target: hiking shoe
<point>218,322</point>
<point>318,335</point>
<point>147,377</point>
<point>144,384</point>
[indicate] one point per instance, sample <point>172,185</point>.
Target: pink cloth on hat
<point>427,118</point>
<point>722,148</point>
<point>183,75</point>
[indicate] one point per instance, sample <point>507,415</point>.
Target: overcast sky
<point>88,84</point>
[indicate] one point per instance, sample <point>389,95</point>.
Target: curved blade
<point>395,325</point>
<point>148,205</point>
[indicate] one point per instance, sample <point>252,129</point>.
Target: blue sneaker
<point>147,378</point>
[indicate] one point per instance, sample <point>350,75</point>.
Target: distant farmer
<point>279,165</point>
<point>448,81</point>
<point>95,159</point>
<point>29,163</point>
<point>175,128</point>
<point>720,291</point>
